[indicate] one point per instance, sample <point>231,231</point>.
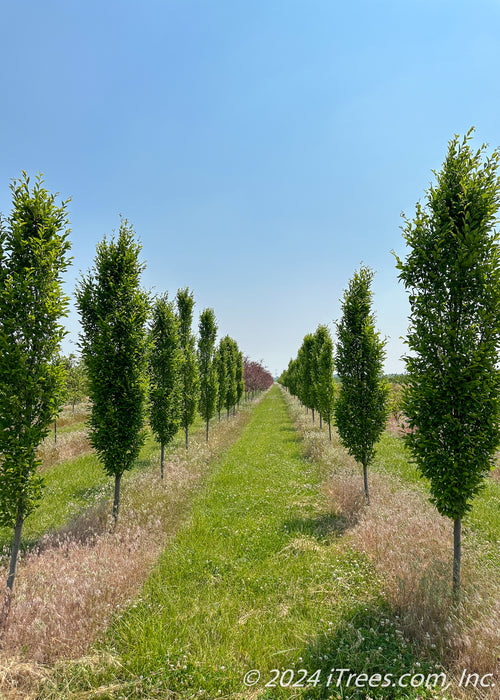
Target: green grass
<point>259,578</point>
<point>74,485</point>
<point>484,518</point>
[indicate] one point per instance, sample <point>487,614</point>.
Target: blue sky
<point>262,149</point>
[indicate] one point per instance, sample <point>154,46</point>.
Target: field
<point>257,553</point>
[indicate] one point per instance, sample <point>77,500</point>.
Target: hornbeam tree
<point>190,377</point>
<point>220,364</point>
<point>305,358</point>
<point>164,375</point>
<point>113,312</point>
<point>240,373</point>
<point>324,383</point>
<point>228,349</point>
<point>452,272</point>
<point>361,406</point>
<point>33,255</point>
<point>207,366</point>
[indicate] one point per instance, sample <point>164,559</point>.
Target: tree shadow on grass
<point>366,641</point>
<point>322,527</point>
<point>291,434</point>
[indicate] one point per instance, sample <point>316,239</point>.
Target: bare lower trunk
<point>329,430</point>
<point>207,429</point>
<point>187,438</point>
<point>234,410</point>
<point>162,459</point>
<point>228,413</point>
<point>457,555</point>
<point>219,416</point>
<point>116,500</point>
<point>12,570</point>
<point>55,431</point>
<point>320,422</point>
<point>313,413</point>
<point>15,549</point>
<point>365,479</point>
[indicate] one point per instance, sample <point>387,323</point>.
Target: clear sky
<point>262,149</point>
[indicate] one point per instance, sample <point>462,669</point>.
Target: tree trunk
<point>312,409</point>
<point>187,439</point>
<point>234,410</point>
<point>162,459</point>
<point>207,429</point>
<point>15,549</point>
<point>55,432</point>
<point>116,500</point>
<point>330,430</point>
<point>365,479</point>
<point>228,413</point>
<point>73,406</point>
<point>457,554</point>
<point>320,422</point>
<point>219,416</point>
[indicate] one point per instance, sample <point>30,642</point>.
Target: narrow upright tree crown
<point>228,350</point>
<point>324,382</point>
<point>361,406</point>
<point>207,365</point>
<point>190,378</point>
<point>33,255</point>
<point>222,378</point>
<point>240,375</point>
<point>305,357</point>
<point>114,311</point>
<point>164,371</point>
<point>452,273</point>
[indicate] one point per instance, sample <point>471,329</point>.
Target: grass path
<point>259,578</point>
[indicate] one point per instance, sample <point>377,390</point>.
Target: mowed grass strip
<point>258,579</point>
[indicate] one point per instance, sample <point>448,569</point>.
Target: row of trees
<point>451,392</point>
<point>138,371</point>
<point>139,356</point>
<point>310,375</point>
<point>360,405</point>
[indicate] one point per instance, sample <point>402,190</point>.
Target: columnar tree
<point>164,375</point>
<point>33,254</point>
<point>113,311</point>
<point>361,406</point>
<point>305,358</point>
<point>222,379</point>
<point>240,372</point>
<point>452,273</point>
<point>207,366</point>
<point>229,351</point>
<point>324,382</point>
<point>190,378</point>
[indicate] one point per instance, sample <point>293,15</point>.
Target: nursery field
<point>255,570</point>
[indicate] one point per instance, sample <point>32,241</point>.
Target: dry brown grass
<point>67,590</point>
<point>68,446</point>
<point>410,545</point>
